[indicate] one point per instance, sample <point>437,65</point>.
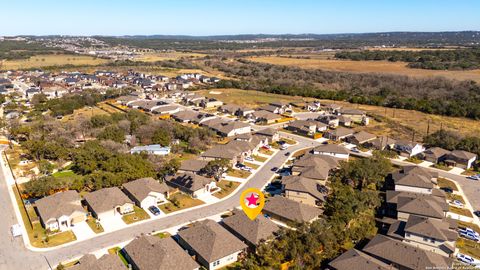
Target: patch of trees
<point>11,50</point>
<point>179,64</point>
<point>348,220</point>
<point>453,141</point>
<point>459,59</point>
<point>430,95</point>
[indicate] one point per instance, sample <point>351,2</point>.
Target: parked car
<point>473,177</point>
<point>287,154</point>
<point>447,189</point>
<point>355,150</point>
<point>468,235</point>
<point>239,165</point>
<point>274,169</point>
<point>470,230</point>
<point>465,259</point>
<point>477,213</point>
<point>155,211</point>
<point>283,147</point>
<point>457,203</point>
<point>249,158</point>
<point>267,147</point>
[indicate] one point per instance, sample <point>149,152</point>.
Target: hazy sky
<point>210,17</point>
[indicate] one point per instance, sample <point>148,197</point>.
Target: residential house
<point>229,128</point>
<point>106,262</point>
<point>333,150</point>
<point>345,121</point>
<point>361,138</point>
<point>358,260</point>
<point>331,120</point>
<point>435,154</point>
<point>338,134</point>
<point>106,203</point>
<point>210,103</point>
<point>263,116</point>
<point>357,116</point>
<point>316,167</point>
<point>211,244</point>
<point>408,148</point>
<point>332,108</point>
<point>235,151</point>
<point>304,190</point>
<point>287,210</point>
<point>152,253</point>
<point>381,143</point>
<point>252,232</point>
<point>270,133</point>
<point>426,206</point>
<point>146,192</point>
<point>192,184</point>
<point>168,109</point>
<point>404,256</point>
<point>303,127</point>
<point>313,106</point>
<point>153,149</point>
<point>192,166</point>
<point>60,211</point>
<point>413,182</point>
<point>438,236</point>
<point>461,159</point>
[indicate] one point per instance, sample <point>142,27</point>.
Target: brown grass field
<point>51,60</point>
<point>321,61</point>
<point>396,123</point>
<point>153,57</point>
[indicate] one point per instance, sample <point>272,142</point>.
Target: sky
<point>222,17</point>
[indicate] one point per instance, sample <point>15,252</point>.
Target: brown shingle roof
<point>412,180</point>
<point>252,231</point>
<point>106,199</point>
<point>153,253</point>
<point>302,184</point>
<point>291,210</point>
<point>423,206</point>
<point>59,204</point>
<point>404,255</point>
<point>355,259</point>
<point>210,240</point>
<point>434,228</point>
<point>188,181</point>
<point>331,148</point>
<point>106,262</point>
<point>140,188</point>
<point>193,165</point>
<point>462,154</point>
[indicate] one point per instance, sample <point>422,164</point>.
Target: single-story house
<point>192,165</point>
<point>461,159</point>
<point>381,143</point>
<point>359,260</point>
<point>252,232</point>
<point>361,138</point>
<point>153,149</point>
<point>435,154</point>
<point>146,192</point>
<point>210,103</point>
<point>413,182</point>
<point>262,116</point>
<point>408,148</point>
<point>106,262</point>
<point>192,184</point>
<point>287,210</point>
<point>333,150</point>
<point>338,134</point>
<point>270,133</point>
<point>58,212</point>
<point>331,120</point>
<point>357,116</point>
<point>152,253</point>
<point>106,203</point>
<point>303,127</point>
<point>213,246</point>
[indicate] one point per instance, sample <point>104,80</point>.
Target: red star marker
<point>252,200</point>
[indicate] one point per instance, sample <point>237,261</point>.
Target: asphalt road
<point>13,254</point>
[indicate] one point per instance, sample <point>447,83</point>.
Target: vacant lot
<point>51,60</point>
<point>398,68</point>
<point>153,57</point>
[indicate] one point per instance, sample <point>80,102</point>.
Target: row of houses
<point>417,234</point>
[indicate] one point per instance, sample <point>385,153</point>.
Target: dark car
<point>287,154</point>
<point>477,213</point>
<point>155,211</point>
<point>274,169</point>
<point>447,189</point>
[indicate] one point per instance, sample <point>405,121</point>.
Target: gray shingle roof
<point>106,262</point>
<point>153,253</point>
<point>252,231</point>
<point>193,165</point>
<point>434,228</point>
<point>302,184</point>
<point>140,188</point>
<point>106,199</point>
<point>59,204</point>
<point>291,210</point>
<point>355,259</point>
<point>188,181</point>
<point>210,240</point>
<point>412,180</point>
<point>331,148</point>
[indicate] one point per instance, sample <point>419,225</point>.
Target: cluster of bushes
<point>427,59</point>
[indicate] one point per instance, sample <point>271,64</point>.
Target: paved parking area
<point>82,231</point>
<point>112,223</point>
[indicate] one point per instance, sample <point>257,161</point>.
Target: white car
<point>457,203</point>
<point>465,259</point>
<point>249,158</point>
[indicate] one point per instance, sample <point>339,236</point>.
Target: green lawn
<point>414,160</point>
<point>137,215</point>
<point>445,183</point>
<point>460,211</point>
<point>441,167</point>
<point>238,173</point>
<point>452,197</point>
<point>179,201</point>
<point>65,173</point>
<point>251,165</point>
<point>227,188</point>
<point>94,225</point>
<point>259,158</point>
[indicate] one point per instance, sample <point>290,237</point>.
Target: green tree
<point>113,133</point>
<point>162,137</point>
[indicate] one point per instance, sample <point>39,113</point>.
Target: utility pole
<point>428,127</point>
<point>413,136</point>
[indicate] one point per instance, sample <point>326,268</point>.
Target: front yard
<point>179,201</point>
<point>468,247</point>
<point>227,188</point>
<point>162,235</point>
<point>460,211</point>
<point>452,197</point>
<point>265,151</point>
<point>94,225</point>
<point>238,173</point>
<point>441,167</point>
<point>251,165</point>
<point>259,158</point>
<point>137,215</point>
<point>38,236</point>
<point>445,183</point>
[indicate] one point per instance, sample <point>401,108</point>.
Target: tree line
<point>453,141</point>
<point>430,95</point>
<point>459,59</point>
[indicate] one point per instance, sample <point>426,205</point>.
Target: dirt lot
<point>319,61</point>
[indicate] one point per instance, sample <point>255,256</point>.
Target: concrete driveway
<point>208,198</point>
<point>82,231</point>
<point>112,223</point>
